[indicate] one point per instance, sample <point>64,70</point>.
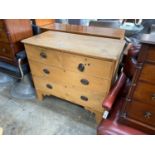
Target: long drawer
<point>72,79</point>
<point>141,112</point>
<point>5,50</point>
<point>71,62</point>
<point>90,99</point>
<point>148,73</point>
<point>145,93</point>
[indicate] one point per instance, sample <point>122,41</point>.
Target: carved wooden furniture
<point>112,104</point>
<point>12,31</point>
<point>139,110</point>
<point>74,67</point>
<point>85,30</point>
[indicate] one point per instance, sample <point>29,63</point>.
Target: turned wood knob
<point>84,98</point>
<point>81,67</point>
<point>84,81</point>
<point>49,86</point>
<point>46,71</point>
<point>43,55</point>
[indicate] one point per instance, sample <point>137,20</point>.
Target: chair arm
<point>111,97</point>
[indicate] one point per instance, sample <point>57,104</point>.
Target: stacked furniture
<point>112,104</point>
<point>74,67</point>
<point>139,110</point>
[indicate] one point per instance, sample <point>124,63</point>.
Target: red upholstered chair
<point>110,125</point>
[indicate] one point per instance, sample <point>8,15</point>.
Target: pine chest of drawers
<point>139,107</point>
<point>74,67</point>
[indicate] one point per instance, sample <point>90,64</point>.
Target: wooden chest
<point>73,67</point>
<point>85,30</point>
<point>139,108</point>
<point>12,31</point>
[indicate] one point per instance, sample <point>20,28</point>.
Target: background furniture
<point>13,60</point>
<point>12,31</point>
<point>42,22</point>
<point>114,101</point>
<point>76,68</point>
<point>85,30</point>
<point>139,110</point>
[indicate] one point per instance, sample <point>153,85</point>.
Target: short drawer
<point>43,55</point>
<point>72,79</point>
<point>3,36</point>
<point>86,65</point>
<point>151,54</point>
<point>145,93</point>
<point>5,50</point>
<point>88,99</point>
<point>148,73</point>
<point>144,113</point>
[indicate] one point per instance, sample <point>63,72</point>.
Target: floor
<point>52,116</point>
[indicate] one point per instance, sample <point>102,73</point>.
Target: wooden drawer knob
<point>43,55</point>
<point>84,98</point>
<point>49,86</point>
<point>153,97</point>
<point>84,81</point>
<point>147,114</point>
<point>46,71</point>
<point>81,67</point>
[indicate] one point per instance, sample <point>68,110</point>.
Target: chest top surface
<point>87,30</point>
<point>98,47</point>
<point>148,39</point>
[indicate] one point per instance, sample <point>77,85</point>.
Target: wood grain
<point>71,79</point>
<point>42,22</point>
<point>68,93</point>
<point>148,73</point>
<point>86,30</point>
<point>97,47</point>
<point>68,61</point>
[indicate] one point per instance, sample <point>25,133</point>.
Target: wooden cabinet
<point>74,67</point>
<point>85,30</point>
<point>12,31</point>
<point>139,108</point>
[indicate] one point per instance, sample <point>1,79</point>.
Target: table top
<point>148,38</point>
<point>99,47</point>
<point>86,30</point>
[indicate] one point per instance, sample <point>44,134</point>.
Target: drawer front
<point>145,93</point>
<point>90,66</point>
<point>142,112</point>
<point>3,36</point>
<point>151,54</point>
<point>87,99</point>
<point>45,56</point>
<point>148,73</point>
<point>5,50</point>
<point>71,62</point>
<point>75,80</point>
